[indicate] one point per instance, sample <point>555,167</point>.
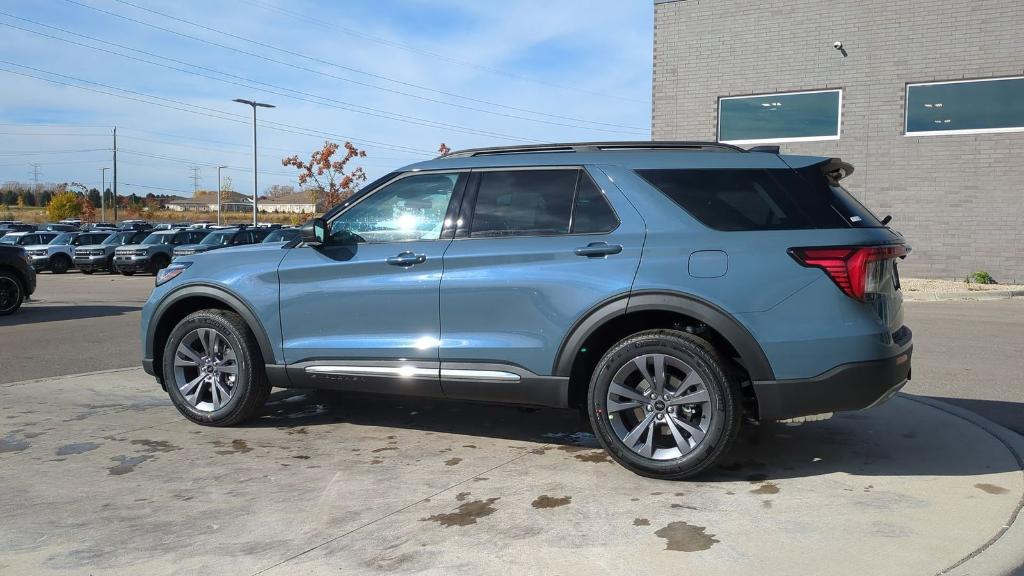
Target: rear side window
<point>776,199</point>
<point>539,203</point>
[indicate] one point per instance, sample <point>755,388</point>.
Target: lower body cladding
<point>853,386</point>
<point>483,382</point>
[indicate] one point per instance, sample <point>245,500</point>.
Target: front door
<point>360,312</point>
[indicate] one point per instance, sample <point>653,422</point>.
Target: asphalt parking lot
<point>101,475</point>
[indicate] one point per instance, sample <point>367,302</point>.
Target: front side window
<point>159,239</point>
<point>965,107</point>
<point>218,239</point>
<point>785,117</point>
<point>408,209</point>
<point>64,239</point>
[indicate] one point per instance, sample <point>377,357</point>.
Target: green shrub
<point>980,277</point>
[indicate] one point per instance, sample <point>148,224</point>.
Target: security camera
<point>837,45</point>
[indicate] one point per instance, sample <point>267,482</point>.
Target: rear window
<point>760,199</point>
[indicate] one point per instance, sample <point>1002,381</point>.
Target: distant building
<point>924,98</point>
<point>207,202</point>
<point>297,203</point>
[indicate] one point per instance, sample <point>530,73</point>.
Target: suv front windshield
<point>218,238</point>
<point>64,239</point>
<point>119,239</point>
<point>159,238</point>
<point>282,235</point>
<point>9,239</point>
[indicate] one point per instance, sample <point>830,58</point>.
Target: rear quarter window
<point>760,199</point>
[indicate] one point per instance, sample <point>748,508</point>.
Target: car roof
<point>635,155</point>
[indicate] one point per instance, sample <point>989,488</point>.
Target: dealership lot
<point>102,475</point>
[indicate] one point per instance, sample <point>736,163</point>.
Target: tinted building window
<point>959,107</point>
<point>780,117</point>
<point>740,200</point>
<point>524,203</point>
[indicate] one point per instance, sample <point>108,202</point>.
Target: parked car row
<point>132,247</point>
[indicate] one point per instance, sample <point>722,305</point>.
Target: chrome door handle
<point>407,259</point>
<point>595,249</point>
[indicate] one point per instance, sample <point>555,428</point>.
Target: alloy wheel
<point>206,369</point>
<point>659,406</point>
<point>10,293</point>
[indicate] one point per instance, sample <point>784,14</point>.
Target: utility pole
<point>103,194</point>
<point>115,175</point>
<point>195,179</point>
<point>255,175</point>
<point>219,193</point>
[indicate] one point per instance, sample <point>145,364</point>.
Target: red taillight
<point>847,266</point>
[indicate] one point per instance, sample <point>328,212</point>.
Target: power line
<point>359,71</point>
<point>344,79</point>
<point>154,187</point>
<point>289,92</point>
<point>210,112</point>
<point>414,49</point>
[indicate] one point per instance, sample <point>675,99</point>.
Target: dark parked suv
<point>17,278</point>
<point>669,289</point>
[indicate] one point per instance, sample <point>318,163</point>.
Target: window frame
<point>839,118</point>
<point>906,110</point>
<point>448,225</point>
<point>468,208</point>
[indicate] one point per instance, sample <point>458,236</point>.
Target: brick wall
<point>959,199</point>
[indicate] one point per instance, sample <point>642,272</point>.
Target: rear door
<point>536,249</point>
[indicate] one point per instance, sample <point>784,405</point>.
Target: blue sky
<point>396,78</point>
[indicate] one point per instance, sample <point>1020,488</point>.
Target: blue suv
<point>669,289</point>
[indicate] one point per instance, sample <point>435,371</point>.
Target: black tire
<point>12,293</point>
<point>127,272</point>
<point>722,406</point>
<point>59,264</point>
<point>159,263</point>
<point>86,270</point>
<point>251,387</point>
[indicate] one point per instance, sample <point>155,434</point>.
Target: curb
<point>1003,554</point>
<point>80,374</point>
<point>973,295</point>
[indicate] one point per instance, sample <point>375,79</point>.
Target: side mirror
<point>314,232</point>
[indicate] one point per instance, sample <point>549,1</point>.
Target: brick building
<point>924,97</point>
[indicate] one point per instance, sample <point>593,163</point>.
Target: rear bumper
<point>847,387</point>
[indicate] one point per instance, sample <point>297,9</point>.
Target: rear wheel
<point>213,370</point>
<point>11,293</point>
<point>59,264</point>
<point>662,404</point>
<point>159,263</point>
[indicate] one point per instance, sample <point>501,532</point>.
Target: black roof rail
<point>593,147</point>
<point>767,149</point>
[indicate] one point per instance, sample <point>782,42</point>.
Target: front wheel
<point>11,293</point>
<point>159,263</point>
<point>213,370</point>
<point>662,405</point>
<point>59,264</point>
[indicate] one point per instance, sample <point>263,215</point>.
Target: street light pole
<point>103,194</point>
<point>219,193</point>
<point>255,176</point>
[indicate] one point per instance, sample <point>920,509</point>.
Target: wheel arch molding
<point>754,359</point>
<point>194,297</point>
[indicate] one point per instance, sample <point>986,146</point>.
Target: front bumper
<point>40,263</point>
<point>852,386</point>
<point>91,263</point>
<point>132,263</point>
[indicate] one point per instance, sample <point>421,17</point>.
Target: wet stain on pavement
<point>545,501</point>
<point>156,445</point>
<point>32,434</point>
<point>572,449</point>
<point>766,488</point>
<point>452,461</point>
<point>76,448</point>
<point>466,514</point>
<point>301,457</point>
<point>687,506</point>
<point>469,446</point>
<point>991,488</point>
<point>383,449</point>
<point>461,496</point>
<point>236,447</point>
<point>12,443</point>
<point>683,537</point>
<point>641,522</point>
<point>594,456</point>
<point>766,504</point>
<point>126,464</point>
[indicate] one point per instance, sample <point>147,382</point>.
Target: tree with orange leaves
<point>326,177</point>
<point>443,149</point>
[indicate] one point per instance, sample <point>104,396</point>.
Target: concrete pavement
<point>102,476</point>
